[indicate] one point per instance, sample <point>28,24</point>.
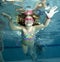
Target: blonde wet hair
<point>21,19</point>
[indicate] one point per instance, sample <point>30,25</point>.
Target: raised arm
<point>41,26</point>
<point>14,26</point>
<point>11,23</point>
<point>49,15</point>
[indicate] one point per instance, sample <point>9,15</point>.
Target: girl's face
<point>28,23</point>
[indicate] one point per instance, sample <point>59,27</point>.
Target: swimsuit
<point>28,39</point>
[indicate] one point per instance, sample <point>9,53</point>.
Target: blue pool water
<point>49,38</point>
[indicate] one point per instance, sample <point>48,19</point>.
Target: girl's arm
<point>15,27</point>
<point>11,23</point>
<point>49,15</point>
<point>40,26</point>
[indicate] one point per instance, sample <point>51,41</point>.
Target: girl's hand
<point>52,11</point>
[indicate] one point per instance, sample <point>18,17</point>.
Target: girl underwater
<point>28,24</point>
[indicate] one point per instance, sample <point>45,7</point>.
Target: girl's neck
<point>28,27</point>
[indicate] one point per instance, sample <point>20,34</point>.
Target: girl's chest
<point>29,33</point>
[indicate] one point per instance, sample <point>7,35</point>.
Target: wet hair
<point>22,16</point>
